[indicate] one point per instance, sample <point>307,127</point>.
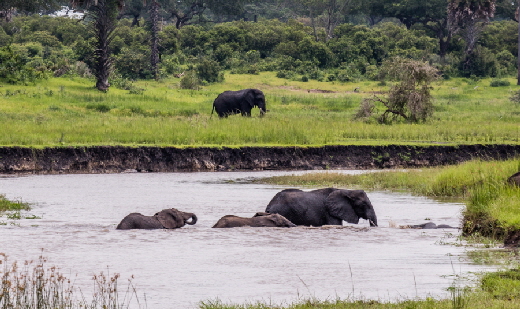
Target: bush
<point>190,81</point>
<point>209,71</point>
<point>499,83</point>
<point>411,98</point>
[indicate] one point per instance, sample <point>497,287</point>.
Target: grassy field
<point>70,111</point>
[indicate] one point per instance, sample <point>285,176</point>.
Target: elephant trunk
<point>192,221</point>
<point>262,109</point>
<point>371,217</point>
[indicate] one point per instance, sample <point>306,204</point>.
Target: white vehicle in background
<point>68,12</point>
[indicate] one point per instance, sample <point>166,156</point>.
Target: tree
<point>410,99</point>
<point>470,17</point>
<point>430,14</point>
<point>104,13</point>
<point>154,20</point>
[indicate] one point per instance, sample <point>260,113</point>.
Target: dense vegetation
<point>37,45</point>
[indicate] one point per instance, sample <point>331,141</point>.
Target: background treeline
<point>339,40</point>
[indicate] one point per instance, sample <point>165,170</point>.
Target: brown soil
<point>116,159</point>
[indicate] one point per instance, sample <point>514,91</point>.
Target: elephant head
<point>256,97</point>
<point>350,205</point>
<point>173,218</point>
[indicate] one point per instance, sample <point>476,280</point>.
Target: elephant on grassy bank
<point>239,102</point>
<point>260,219</point>
<point>329,206</point>
<point>164,219</point>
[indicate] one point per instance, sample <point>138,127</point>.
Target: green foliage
<point>209,71</point>
<point>190,81</point>
<point>499,83</point>
<point>14,69</point>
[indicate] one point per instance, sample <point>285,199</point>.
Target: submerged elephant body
<point>165,219</point>
<point>260,219</point>
<point>329,206</point>
<point>430,226</point>
<point>239,102</point>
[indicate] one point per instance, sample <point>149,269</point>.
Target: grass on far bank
<point>70,111</point>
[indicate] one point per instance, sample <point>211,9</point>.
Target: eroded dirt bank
<point>116,159</point>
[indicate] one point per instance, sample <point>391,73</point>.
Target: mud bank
<point>117,159</point>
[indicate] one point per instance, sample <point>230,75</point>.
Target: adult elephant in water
<point>329,206</point>
<point>164,219</point>
<point>260,219</point>
<point>239,102</point>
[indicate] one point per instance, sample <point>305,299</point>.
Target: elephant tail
<point>212,110</point>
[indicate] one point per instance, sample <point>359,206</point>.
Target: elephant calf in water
<point>260,219</point>
<point>165,219</point>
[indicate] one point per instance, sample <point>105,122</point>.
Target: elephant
<point>165,219</point>
<point>328,206</point>
<point>514,179</point>
<point>260,219</point>
<point>239,102</point>
<point>429,226</point>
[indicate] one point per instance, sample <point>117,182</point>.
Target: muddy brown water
<point>179,268</point>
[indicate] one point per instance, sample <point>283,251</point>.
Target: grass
<point>70,111</point>
<point>36,285</point>
<point>8,205</point>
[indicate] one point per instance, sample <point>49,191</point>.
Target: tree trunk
<point>154,18</point>
<point>104,25</point>
<point>518,56</point>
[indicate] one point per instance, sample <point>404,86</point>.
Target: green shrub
<point>209,71</point>
<point>190,81</point>
<point>499,83</point>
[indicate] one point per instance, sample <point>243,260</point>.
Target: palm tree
<point>105,18</point>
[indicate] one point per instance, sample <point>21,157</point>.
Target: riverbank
<point>118,159</point>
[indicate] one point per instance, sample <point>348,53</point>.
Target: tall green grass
<point>70,111</point>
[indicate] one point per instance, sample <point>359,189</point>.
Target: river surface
<point>180,268</point>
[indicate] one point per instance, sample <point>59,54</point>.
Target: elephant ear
<point>250,98</point>
<point>170,218</point>
<point>339,204</point>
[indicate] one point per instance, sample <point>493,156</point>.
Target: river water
<point>180,268</point>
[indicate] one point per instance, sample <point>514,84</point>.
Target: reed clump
<point>36,285</point>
